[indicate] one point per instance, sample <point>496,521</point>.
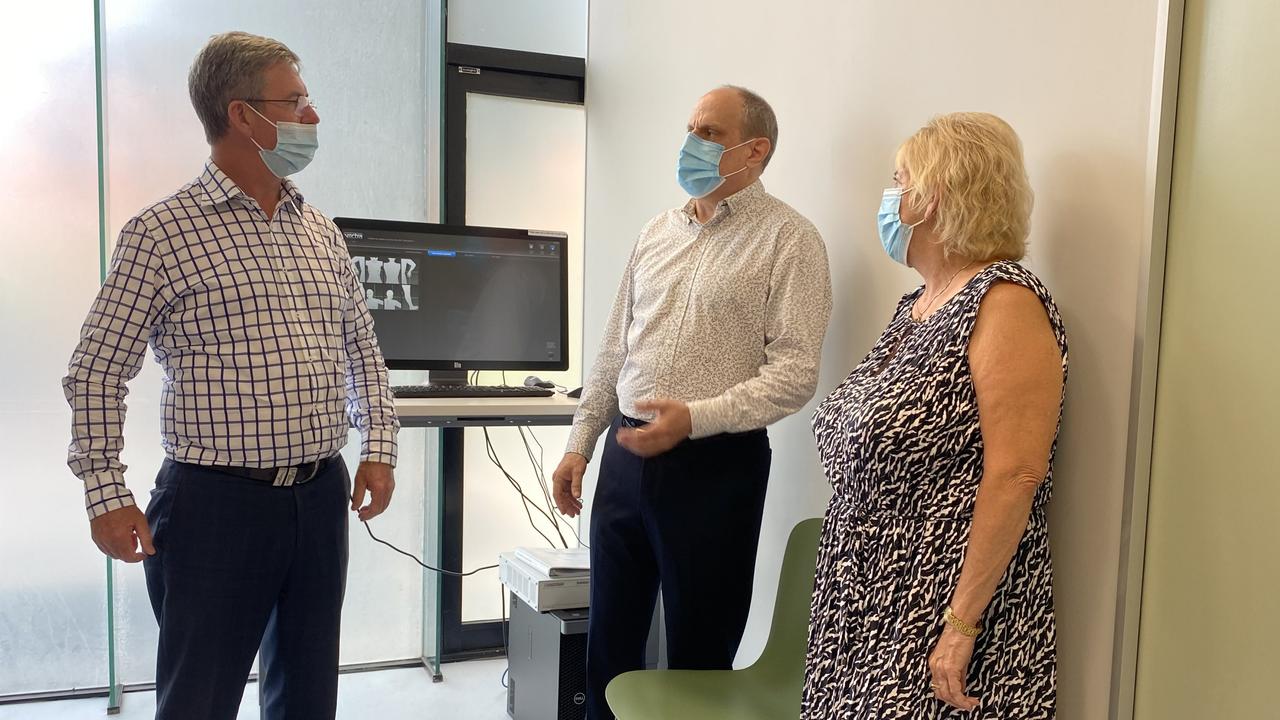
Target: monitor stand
<point>447,377</point>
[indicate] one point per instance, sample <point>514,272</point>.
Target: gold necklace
<point>923,313</point>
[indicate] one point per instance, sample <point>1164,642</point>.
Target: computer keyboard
<point>469,391</point>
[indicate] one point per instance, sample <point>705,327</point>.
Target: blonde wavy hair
<point>971,164</point>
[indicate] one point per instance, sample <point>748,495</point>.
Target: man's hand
<point>672,426</point>
<point>379,479</point>
<point>119,533</point>
<point>567,484</point>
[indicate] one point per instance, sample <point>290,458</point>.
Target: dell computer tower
<point>547,654</point>
<point>548,657</point>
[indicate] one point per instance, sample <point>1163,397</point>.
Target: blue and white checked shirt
<point>260,326</point>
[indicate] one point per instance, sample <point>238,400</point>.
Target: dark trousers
<point>239,565</point>
<point>688,522</point>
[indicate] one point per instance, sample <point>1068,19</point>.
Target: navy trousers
<point>242,565</point>
<point>686,522</point>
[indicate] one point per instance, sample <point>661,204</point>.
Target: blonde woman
<point>933,596</point>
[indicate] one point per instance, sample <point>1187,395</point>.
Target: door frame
<point>1146,354</point>
<point>476,70</point>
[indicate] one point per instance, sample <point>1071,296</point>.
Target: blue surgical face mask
<point>895,235</point>
<point>296,145</point>
<point>698,169</point>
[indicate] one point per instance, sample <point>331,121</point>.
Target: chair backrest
<point>784,652</point>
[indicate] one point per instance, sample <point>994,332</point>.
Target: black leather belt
<point>280,477</point>
<point>630,422</point>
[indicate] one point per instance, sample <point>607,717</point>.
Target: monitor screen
<point>447,297</point>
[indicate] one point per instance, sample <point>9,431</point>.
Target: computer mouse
<point>574,393</point>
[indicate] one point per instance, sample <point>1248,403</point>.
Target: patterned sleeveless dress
<point>900,443</point>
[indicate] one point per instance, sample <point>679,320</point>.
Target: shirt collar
<point>741,200</point>
<point>218,188</point>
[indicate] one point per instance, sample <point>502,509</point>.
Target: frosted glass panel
<point>525,169</point>
<point>52,588</point>
<point>365,70</point>
<point>555,27</point>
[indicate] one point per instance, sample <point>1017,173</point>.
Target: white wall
<point>849,81</point>
<point>557,27</point>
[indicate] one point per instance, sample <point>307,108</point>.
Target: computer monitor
<point>456,298</point>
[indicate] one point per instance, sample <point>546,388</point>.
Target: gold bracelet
<point>961,626</point>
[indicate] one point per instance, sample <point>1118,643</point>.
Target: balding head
<point>758,120</point>
<point>721,117</point>
<point>740,115</point>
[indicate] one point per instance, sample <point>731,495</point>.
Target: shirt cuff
<point>106,492</point>
<point>707,418</point>
<point>379,445</point>
<point>581,442</point>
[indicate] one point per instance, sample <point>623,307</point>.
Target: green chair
<point>768,690</point>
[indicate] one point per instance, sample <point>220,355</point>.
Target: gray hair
<point>758,120</point>
<point>230,67</point>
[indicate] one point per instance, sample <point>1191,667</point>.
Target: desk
<point>485,412</point>
<point>445,636</point>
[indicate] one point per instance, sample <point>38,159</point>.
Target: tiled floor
<point>470,691</point>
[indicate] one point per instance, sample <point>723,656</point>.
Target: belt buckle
<point>285,476</point>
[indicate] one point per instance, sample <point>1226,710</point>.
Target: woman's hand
<point>949,666</point>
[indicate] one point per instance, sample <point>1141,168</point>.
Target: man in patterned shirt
<point>716,333</point>
<point>248,299</point>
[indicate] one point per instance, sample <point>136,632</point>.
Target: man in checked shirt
<point>716,333</point>
<point>248,299</point>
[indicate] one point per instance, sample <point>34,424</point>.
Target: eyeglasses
<point>301,103</point>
